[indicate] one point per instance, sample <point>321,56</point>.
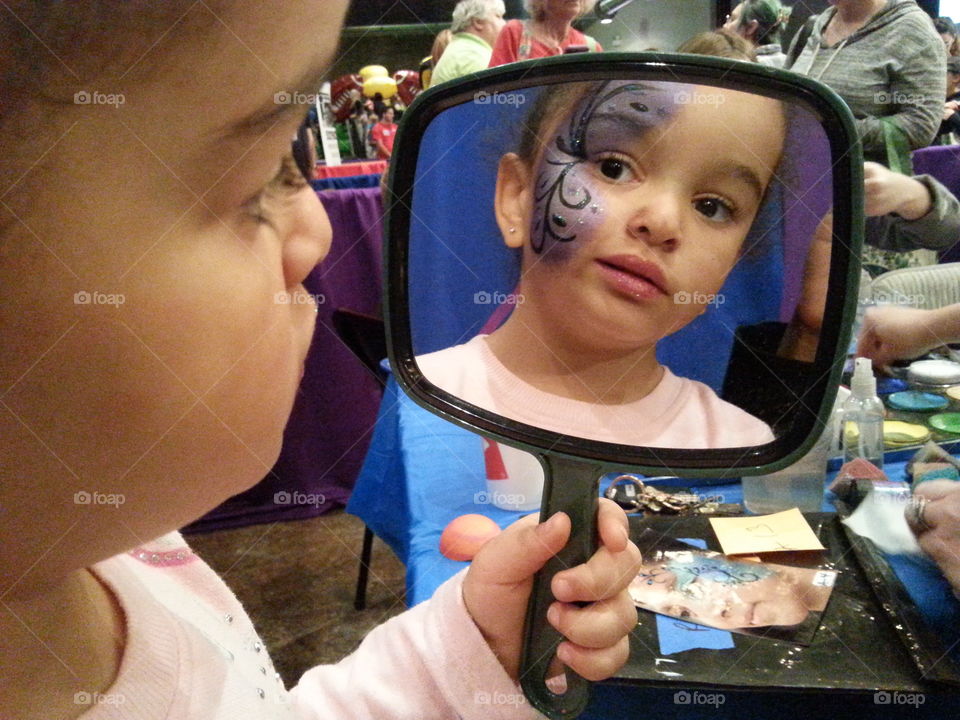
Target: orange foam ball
<point>465,535</point>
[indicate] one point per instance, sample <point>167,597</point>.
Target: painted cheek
<point>568,209</point>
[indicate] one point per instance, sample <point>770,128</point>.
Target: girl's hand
<point>498,585</point>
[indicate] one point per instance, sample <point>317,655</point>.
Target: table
<point>423,471</point>
<point>326,437</point>
<point>360,167</point>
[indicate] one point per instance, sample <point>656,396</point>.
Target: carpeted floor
<point>297,581</point>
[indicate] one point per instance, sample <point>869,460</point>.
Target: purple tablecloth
<point>943,163</point>
<point>329,430</point>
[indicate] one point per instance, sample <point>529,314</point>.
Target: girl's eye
<point>288,180</point>
<point>714,208</point>
<point>615,169</point>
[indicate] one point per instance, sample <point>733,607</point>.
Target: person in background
<point>719,43</point>
<point>549,31</point>
<point>949,132</point>
<point>383,135</point>
<point>885,60</point>
<point>475,26</point>
<point>948,33</point>
<point>760,22</point>
<point>427,65</point>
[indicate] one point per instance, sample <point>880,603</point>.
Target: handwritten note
<point>782,531</point>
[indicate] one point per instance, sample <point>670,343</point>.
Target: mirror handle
<point>572,486</point>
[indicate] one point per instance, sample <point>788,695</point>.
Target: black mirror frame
<point>847,169</point>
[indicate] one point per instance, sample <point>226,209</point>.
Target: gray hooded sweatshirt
<point>894,66</point>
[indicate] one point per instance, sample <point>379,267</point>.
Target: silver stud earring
<point>513,230</point>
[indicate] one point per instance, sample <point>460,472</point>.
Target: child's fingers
<point>594,664</point>
<point>613,525</point>
<point>602,576</point>
<point>520,550</point>
<point>597,625</point>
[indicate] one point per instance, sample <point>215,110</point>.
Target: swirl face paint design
<point>567,204</point>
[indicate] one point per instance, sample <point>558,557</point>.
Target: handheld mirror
<point>621,262</point>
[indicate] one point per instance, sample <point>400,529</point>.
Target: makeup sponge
<point>465,535</point>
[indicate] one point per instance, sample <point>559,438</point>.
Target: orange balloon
<point>465,535</point>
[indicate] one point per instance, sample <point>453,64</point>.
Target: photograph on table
<point>627,261</point>
<point>767,600</point>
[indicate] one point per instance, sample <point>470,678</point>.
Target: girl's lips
<point>632,276</point>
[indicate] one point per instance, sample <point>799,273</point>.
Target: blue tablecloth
<point>422,471</point>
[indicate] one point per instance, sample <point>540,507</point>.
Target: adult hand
<point>886,191</point>
<point>498,585</point>
<point>939,530</point>
<point>896,333</point>
<point>899,333</point>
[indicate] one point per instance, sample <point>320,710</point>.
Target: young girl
<point>153,227</point>
<point>631,204</point>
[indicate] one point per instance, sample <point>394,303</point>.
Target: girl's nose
<point>656,218</point>
<point>307,238</point>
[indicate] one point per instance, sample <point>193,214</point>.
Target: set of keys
<point>634,495</point>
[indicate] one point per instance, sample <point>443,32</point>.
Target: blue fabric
<point>342,183</point>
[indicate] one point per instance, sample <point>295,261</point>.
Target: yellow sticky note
<point>780,531</point>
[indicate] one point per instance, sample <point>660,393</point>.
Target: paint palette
<point>899,434</point>
<point>937,373</point>
<point>917,401</point>
<point>946,422</point>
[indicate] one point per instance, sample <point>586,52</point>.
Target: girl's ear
<point>512,200</point>
<point>751,29</point>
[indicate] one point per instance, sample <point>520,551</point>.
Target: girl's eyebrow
<point>744,173</point>
<point>282,103</point>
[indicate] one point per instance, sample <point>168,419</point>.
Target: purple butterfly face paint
<point>568,206</point>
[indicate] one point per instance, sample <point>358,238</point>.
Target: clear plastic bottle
<point>863,417</point>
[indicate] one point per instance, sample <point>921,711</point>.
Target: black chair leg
<point>360,599</point>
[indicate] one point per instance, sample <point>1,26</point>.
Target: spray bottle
<point>863,417</point>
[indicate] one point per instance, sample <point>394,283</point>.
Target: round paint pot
<point>946,422</point>
<point>934,373</point>
<point>897,433</point>
<point>916,401</point>
<point>889,385</point>
<point>954,393</point>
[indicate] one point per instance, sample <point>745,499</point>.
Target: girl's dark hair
<point>945,25</point>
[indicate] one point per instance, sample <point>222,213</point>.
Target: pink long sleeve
<point>429,662</point>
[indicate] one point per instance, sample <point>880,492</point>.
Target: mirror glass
<point>632,261</point>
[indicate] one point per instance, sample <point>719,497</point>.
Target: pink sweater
<point>679,413</point>
<point>192,652</point>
